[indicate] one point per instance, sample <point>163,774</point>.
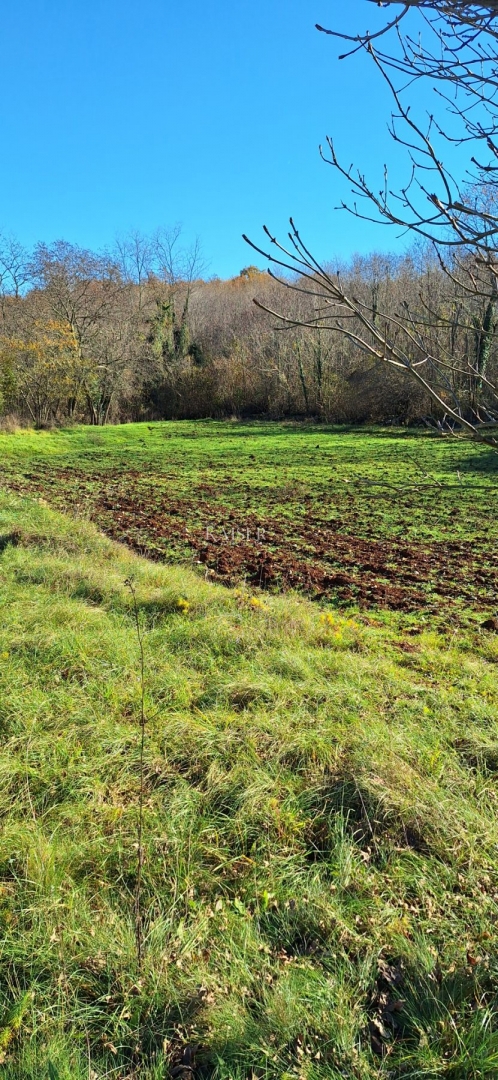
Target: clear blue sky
<point>121,114</point>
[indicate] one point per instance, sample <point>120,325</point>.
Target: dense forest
<point>142,333</point>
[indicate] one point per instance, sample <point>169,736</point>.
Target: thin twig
<point>140,853</point>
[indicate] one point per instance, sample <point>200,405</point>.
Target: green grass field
<point>380,518</point>
<point>320,874</point>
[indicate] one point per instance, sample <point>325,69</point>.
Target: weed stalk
<point>140,850</point>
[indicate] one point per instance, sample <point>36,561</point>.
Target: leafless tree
<point>458,53</point>
<point>14,280</point>
<point>134,256</point>
<point>84,291</point>
<point>14,266</point>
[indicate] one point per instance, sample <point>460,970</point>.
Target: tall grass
<point>318,855</point>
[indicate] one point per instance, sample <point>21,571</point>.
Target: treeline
<point>139,333</point>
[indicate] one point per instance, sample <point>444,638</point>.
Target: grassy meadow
<point>387,518</point>
<point>319,883</point>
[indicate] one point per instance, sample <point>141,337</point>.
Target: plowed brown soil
<point>269,550</point>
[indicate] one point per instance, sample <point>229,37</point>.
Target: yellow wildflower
<point>257,604</point>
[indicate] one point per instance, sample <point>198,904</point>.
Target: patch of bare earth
<point>304,553</point>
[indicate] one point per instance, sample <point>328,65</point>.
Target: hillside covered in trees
<point>141,333</point>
